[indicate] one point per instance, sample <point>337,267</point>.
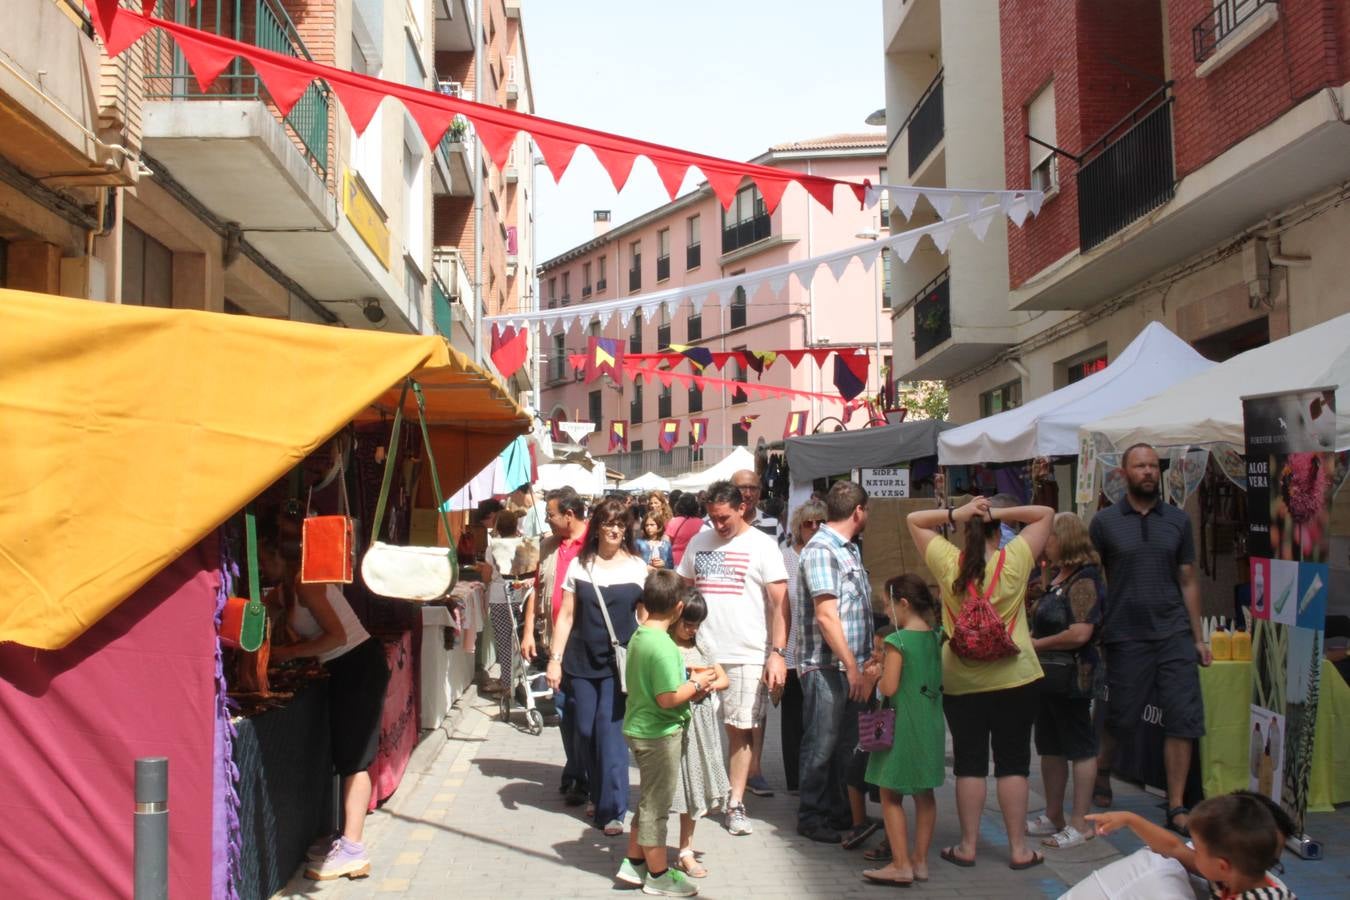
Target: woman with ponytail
<point>989,678</point>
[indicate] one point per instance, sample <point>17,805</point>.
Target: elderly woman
<point>995,702</point>
<point>608,570</point>
<point>803,524</point>
<point>1063,627</point>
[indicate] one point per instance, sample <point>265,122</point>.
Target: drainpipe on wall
<point>478,188</point>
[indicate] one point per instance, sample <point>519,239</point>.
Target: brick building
<point>689,241</point>
<point>1195,155</point>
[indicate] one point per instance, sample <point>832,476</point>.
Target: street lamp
<point>871,234</point>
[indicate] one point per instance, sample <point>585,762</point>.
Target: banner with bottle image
<point>1290,443</point>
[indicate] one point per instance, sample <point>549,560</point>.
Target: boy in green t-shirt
<point>657,712</point>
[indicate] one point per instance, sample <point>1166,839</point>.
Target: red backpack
<point>978,633</point>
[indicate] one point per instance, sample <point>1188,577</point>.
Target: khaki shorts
<point>745,702</point>
<point>658,762</point>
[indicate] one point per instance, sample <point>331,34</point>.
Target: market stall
<point>738,459</point>
<point>144,431</point>
<point>648,481</point>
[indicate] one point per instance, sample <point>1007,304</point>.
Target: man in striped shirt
<point>740,573</point>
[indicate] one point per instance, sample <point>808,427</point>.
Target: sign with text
<point>888,484</point>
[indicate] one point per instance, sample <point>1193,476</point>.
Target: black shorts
<point>998,719</point>
<point>356,685</point>
<point>1064,727</point>
<point>1165,672</point>
<point>856,777</point>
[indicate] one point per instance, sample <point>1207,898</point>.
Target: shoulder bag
<point>327,545</point>
<point>1061,666</point>
<point>409,573</point>
<point>620,651</point>
<point>978,633</point>
<point>243,622</point>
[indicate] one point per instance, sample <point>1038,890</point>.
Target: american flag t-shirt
<point>721,573</point>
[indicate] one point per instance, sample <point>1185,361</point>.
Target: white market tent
<point>588,482</point>
<point>648,481</point>
<point>1207,408</point>
<point>733,462</point>
<point>1048,425</point>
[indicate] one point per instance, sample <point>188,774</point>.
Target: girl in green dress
<point>911,679</point>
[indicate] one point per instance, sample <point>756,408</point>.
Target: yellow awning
<point>127,434</point>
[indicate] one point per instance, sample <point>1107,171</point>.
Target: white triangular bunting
<point>1017,211</point>
<point>837,266</point>
<point>942,236</point>
<point>777,283</point>
<point>805,274</point>
<point>871,195</point>
<point>980,223</point>
<point>697,301</point>
<point>942,202</point>
<point>903,247</point>
<point>605,316</point>
<point>904,200</point>
<point>625,315</point>
<point>1005,199</point>
<point>973,203</point>
<point>1034,201</point>
<point>868,257</point>
<point>649,311</point>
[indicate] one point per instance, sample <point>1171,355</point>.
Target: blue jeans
<point>599,744</point>
<point>573,769</point>
<point>826,749</point>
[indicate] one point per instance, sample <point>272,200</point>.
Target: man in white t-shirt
<point>739,570</point>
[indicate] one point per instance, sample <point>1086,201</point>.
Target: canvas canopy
<point>131,432</point>
<point>738,459</point>
<point>822,455</point>
<point>588,481</point>
<point>1048,425</point>
<point>1207,408</point>
<point>648,481</point>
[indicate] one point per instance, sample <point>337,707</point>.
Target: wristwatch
<point>781,651</point>
<point>555,657</point>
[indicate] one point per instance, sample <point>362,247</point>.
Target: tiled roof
<point>835,142</point>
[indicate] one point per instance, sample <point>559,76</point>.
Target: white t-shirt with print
<point>732,576</point>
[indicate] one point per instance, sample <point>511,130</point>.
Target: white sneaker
<point>737,821</point>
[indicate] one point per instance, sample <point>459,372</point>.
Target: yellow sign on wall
<point>365,215</point>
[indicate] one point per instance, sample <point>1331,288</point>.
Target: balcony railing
<point>1127,173</point>
<point>262,23</point>
<point>1226,17</point>
<point>441,311</point>
<point>662,268</point>
<point>925,124</point>
<point>932,314</point>
<point>585,291</point>
<point>600,285</point>
<point>682,458</point>
<point>744,233</point>
<point>693,256</point>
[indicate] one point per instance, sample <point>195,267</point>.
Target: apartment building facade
<point>483,226</point>
<point>690,241</point>
<point>1195,158</point>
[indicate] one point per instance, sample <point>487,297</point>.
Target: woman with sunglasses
<point>608,570</point>
<point>803,524</point>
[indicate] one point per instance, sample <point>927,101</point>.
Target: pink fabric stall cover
<point>140,682</point>
<point>398,730</point>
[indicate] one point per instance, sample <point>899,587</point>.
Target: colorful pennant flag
<point>604,356</point>
<point>747,420</point>
<point>618,436</point>
<point>510,347</point>
<point>796,423</point>
<point>699,357</point>
<point>670,434</point>
<point>698,432</point>
<point>759,360</point>
<point>850,374</point>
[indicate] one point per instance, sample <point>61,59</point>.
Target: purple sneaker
<point>346,858</point>
<point>318,851</point>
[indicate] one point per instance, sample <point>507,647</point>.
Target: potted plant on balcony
<point>459,129</point>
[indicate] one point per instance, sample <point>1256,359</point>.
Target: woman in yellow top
<point>988,703</point>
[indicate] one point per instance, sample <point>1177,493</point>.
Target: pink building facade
<point>691,241</point>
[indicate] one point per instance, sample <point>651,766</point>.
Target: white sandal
<point>1041,826</point>
<point>1065,838</point>
<point>687,863</point>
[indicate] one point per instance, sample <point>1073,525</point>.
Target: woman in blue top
<point>607,570</point>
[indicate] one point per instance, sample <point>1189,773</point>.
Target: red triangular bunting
<point>723,183</point>
<point>576,360</point>
<point>125,31</point>
<point>820,356</point>
<point>105,16</point>
<point>360,103</point>
<point>771,189</point>
<point>665,376</point>
<point>720,359</point>
<point>431,120</point>
<point>700,382</point>
<point>497,140</point>
<point>207,61</point>
<point>820,188</point>
<point>558,153</point>
<point>617,163</point>
<point>792,356</point>
<point>286,86</point>
<point>148,7</point>
<point>672,174</point>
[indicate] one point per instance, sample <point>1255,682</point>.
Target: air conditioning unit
<point>450,88</point>
<point>510,175</point>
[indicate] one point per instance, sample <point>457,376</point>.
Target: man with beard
<point>1151,625</point>
<point>835,601</point>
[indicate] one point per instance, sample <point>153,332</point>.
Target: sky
<point>727,78</point>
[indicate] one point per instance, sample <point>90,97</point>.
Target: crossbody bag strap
<point>251,547</point>
<point>604,610</point>
<point>431,462</point>
<point>390,457</point>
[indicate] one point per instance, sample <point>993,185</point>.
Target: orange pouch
<point>326,550</point>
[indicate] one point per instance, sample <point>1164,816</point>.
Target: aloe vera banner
<point>1290,439</point>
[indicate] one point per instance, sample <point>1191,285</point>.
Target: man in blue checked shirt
<point>835,600</point>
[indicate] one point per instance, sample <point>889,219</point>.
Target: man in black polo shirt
<point>1151,625</point>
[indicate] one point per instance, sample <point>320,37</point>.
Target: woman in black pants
<point>805,520</point>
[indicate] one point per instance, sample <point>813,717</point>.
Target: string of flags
<point>668,435</point>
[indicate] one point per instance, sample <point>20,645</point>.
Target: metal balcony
<point>262,23</point>
<point>1128,172</point>
<point>932,314</point>
<point>662,268</point>
<point>925,124</point>
<point>693,256</point>
<point>1219,23</point>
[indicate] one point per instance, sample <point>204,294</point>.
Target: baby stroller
<point>518,679</point>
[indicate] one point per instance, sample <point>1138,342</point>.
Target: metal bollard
<point>152,829</point>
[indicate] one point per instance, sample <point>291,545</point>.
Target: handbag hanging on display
<point>327,547</point>
<point>243,622</point>
<point>401,572</point>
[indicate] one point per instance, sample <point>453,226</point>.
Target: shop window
<point>1002,398</point>
<point>1077,371</point>
<point>147,269</point>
